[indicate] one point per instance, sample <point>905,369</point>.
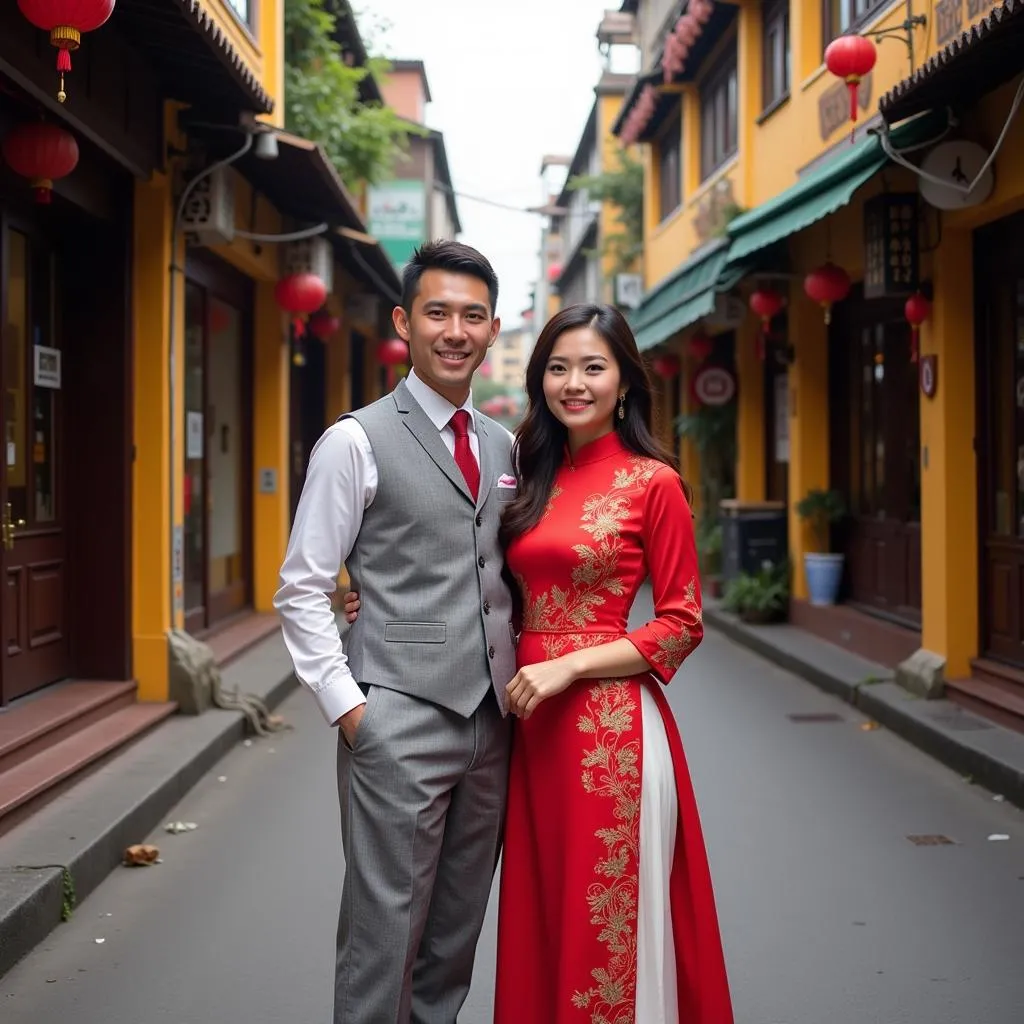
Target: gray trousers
<point>422,796</point>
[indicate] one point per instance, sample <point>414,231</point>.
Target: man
<point>408,493</point>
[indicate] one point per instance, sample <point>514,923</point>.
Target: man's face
<point>449,331</point>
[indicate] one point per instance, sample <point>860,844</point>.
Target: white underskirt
<point>656,998</point>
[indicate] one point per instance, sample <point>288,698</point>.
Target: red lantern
<point>766,303</point>
<point>554,272</point>
<point>391,353</point>
<point>851,58</point>
<point>666,366</point>
<point>827,285</point>
<point>701,346</point>
<point>324,326</point>
<point>66,20</point>
<point>300,294</point>
<point>42,153</point>
<point>916,310</point>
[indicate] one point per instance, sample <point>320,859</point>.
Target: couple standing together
<point>490,696</point>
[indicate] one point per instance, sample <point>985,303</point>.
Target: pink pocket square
<point>506,481</point>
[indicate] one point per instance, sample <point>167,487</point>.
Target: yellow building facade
<point>753,183</point>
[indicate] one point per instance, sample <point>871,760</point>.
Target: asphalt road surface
<point>830,914</point>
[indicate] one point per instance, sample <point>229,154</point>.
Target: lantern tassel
<point>913,345</point>
<point>852,84</point>
<point>299,328</point>
<point>761,342</point>
<point>63,60</point>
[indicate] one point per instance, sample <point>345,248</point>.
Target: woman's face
<point>582,384</point>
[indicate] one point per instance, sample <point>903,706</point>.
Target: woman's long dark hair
<point>540,439</point>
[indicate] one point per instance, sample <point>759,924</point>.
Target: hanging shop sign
<point>891,251</point>
<point>714,385</point>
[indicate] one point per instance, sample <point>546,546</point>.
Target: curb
<point>984,752</point>
<point>83,840</point>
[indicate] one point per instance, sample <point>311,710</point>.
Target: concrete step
<point>39,776</point>
<point>992,698</point>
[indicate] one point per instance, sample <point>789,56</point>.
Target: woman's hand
<point>534,684</point>
<point>351,606</point>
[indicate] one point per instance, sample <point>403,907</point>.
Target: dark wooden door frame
<point>997,252</point>
<point>31,535</point>
<point>849,321</point>
<point>220,281</point>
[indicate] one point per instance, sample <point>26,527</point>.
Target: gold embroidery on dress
<point>611,769</point>
<point>672,650</point>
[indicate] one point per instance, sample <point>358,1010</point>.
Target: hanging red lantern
<point>827,285</point>
<point>391,353</point>
<point>851,58</point>
<point>701,346</point>
<point>300,294</point>
<point>554,272</point>
<point>42,153</point>
<point>666,365</point>
<point>916,310</point>
<point>767,304</point>
<point>66,21</point>
<point>324,326</point>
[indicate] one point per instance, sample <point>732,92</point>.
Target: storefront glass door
<point>216,487</point>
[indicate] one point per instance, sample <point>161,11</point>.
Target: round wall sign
<point>714,385</point>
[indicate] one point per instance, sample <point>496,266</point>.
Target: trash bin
<point>753,532</point>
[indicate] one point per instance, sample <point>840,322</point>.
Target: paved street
<point>830,914</point>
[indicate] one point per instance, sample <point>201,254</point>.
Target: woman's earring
<point>622,407</point>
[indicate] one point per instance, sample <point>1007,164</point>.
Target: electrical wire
<point>291,236</point>
<point>897,157</point>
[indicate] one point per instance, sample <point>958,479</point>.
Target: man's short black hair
<point>453,257</point>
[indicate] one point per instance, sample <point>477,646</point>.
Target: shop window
<point>839,16</point>
<point>719,102</point>
<point>670,170</point>
<point>244,10</point>
<point>776,53</point>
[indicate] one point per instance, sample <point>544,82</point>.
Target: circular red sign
<point>714,385</point>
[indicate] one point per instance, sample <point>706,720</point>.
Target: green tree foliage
<point>623,188</point>
<point>322,100</point>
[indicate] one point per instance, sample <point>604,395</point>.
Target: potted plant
<point>823,569</point>
<point>761,597</point>
<point>709,552</point>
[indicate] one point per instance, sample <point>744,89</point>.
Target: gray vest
<point>436,615</point>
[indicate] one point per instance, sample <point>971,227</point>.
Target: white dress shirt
<point>341,483</point>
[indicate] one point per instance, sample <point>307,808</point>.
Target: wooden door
<point>1000,322</point>
<point>33,512</point>
<point>876,451</point>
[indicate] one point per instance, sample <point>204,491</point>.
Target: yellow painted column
<point>750,439</point>
<point>805,31</point>
<point>750,47</point>
<point>151,519</point>
<point>949,515</point>
<point>271,509</point>
<point>808,422</point>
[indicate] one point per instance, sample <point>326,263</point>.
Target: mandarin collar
<point>595,451</point>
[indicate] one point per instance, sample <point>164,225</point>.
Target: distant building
<point>418,203</point>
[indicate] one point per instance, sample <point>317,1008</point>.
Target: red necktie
<point>464,457</point>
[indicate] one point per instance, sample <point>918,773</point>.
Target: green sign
<point>398,218</point>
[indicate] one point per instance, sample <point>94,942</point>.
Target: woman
<point>607,912</point>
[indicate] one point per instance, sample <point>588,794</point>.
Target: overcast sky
<point>510,82</point>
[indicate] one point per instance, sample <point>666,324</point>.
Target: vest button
<point>487,607</point>
<point>490,652</point>
<point>479,520</point>
<point>481,562</point>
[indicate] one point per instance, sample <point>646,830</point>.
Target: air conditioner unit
<point>310,256</point>
<point>209,215</point>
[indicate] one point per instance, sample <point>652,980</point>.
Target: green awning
<point>821,192</point>
<point>681,299</point>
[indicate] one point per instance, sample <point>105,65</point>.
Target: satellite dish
<point>958,163</point>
